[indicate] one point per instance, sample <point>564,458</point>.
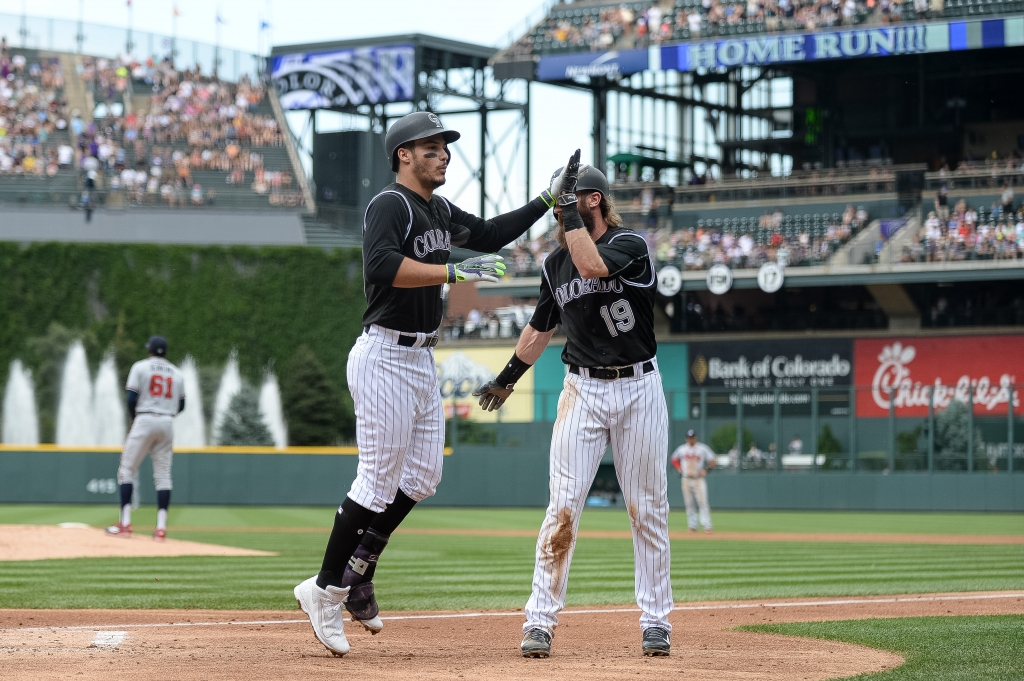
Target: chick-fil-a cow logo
<point>905,373</point>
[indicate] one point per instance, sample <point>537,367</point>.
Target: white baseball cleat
<point>323,606</point>
<point>373,625</point>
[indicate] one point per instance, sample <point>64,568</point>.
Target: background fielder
<point>693,460</point>
<point>408,234</point>
<point>599,284</point>
<point>156,394</point>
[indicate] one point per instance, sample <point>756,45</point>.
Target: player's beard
<point>588,223</point>
<point>428,176</point>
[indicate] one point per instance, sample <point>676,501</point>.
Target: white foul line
<point>517,613</point>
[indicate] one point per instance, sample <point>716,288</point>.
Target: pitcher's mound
<point>41,542</point>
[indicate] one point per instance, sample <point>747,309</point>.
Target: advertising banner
<point>875,41</point>
<point>759,367</point>
<point>461,372</point>
<point>907,370</point>
<point>610,64</point>
<point>364,75</point>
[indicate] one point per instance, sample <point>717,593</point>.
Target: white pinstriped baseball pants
<point>399,419</point>
<point>631,415</point>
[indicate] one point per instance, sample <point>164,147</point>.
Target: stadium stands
<point>149,136</point>
<point>602,25</point>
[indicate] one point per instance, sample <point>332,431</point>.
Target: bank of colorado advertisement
<point>758,367</point>
<point>906,371</point>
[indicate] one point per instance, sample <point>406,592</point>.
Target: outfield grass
<point>935,648</point>
<point>428,572</point>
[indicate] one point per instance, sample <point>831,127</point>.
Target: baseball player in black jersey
<point>599,285</point>
<point>408,234</point>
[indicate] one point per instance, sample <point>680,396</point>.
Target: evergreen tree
<point>312,404</point>
<point>952,427</point>
<point>724,439</point>
<point>243,424</point>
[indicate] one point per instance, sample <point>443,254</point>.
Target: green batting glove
<point>478,268</point>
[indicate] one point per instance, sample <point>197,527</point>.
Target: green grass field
<point>428,572</point>
<point>935,648</point>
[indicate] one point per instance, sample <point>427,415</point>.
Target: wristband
<point>548,200</point>
<point>571,219</point>
<point>512,372</point>
<point>451,276</point>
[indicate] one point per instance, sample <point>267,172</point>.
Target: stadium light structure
<point>374,81</point>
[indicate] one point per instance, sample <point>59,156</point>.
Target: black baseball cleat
<point>656,643</point>
<point>536,643</point>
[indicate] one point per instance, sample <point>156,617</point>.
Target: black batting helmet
<point>415,126</point>
<point>589,179</point>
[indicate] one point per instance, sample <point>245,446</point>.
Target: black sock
<point>388,521</point>
<point>163,498</point>
<point>349,525</point>
<point>126,496</point>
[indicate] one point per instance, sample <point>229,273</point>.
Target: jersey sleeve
<point>386,225</point>
<point>677,454</point>
<point>488,236</point>
<point>134,379</point>
<point>626,255</point>
<point>546,315</point>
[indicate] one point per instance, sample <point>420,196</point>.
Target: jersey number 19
<point>618,317</point>
<point>160,386</point>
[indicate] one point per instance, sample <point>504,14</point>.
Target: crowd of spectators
<point>991,171</point>
<point>968,233</point>
<point>774,239</point>
<point>503,322</point>
<point>588,26</point>
<point>193,123</point>
<point>32,113</point>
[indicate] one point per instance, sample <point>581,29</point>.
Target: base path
<point>42,542</point>
<point>591,643</point>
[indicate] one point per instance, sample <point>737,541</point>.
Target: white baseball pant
<point>631,415</point>
<point>695,495</point>
<point>399,419</point>
<point>150,434</point>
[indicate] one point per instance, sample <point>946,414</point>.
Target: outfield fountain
<point>230,384</point>
<point>75,424</point>
<point>21,421</point>
<point>271,411</point>
<point>189,426</point>
<point>109,418</point>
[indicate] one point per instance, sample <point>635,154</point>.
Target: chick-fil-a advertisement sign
<point>907,371</point>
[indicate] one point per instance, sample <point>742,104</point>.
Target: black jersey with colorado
<point>608,322</point>
<point>399,224</point>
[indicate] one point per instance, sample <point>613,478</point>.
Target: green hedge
<point>266,302</point>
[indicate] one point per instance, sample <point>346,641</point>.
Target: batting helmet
<point>589,179</point>
<point>157,345</point>
<point>415,126</point>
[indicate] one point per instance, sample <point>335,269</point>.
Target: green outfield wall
<point>480,476</point>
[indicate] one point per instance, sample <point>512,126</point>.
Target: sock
<point>377,537</point>
<point>126,503</point>
<point>161,519</point>
<point>350,524</point>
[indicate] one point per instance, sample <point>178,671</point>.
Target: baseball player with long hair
<point>408,234</point>
<point>599,285</point>
<point>156,394</point>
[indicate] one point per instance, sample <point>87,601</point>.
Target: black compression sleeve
<point>133,400</point>
<point>488,236</point>
<point>512,372</point>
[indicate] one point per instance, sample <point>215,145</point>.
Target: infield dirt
<point>595,644</point>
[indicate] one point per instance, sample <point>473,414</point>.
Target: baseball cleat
<point>159,535</point>
<point>119,530</point>
<point>707,530</point>
<point>536,643</point>
<point>656,642</point>
<point>323,607</point>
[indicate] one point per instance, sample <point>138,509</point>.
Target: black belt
<point>613,374</point>
<point>408,340</point>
